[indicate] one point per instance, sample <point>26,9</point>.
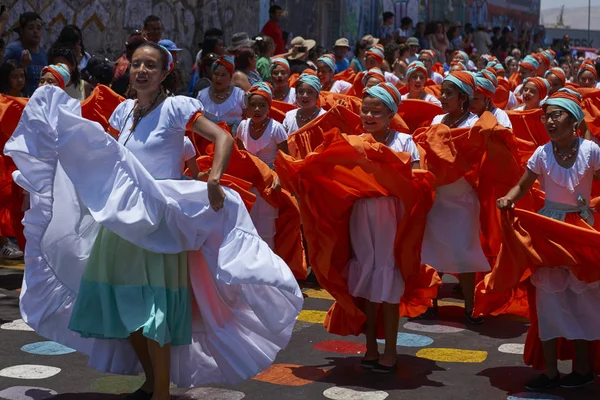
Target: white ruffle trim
<point>568,178</point>
<point>77,175</point>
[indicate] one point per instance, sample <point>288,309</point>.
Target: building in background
<point>573,22</point>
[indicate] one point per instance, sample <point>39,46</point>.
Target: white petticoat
<point>451,242</point>
<point>264,217</point>
<point>372,271</point>
<point>246,299</point>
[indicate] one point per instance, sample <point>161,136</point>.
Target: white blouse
<point>157,141</point>
<point>291,97</point>
<point>428,97</point>
<point>391,78</point>
<point>437,78</point>
<point>189,152</point>
<point>403,143</point>
<point>502,118</point>
<point>467,123</point>
<point>290,124</point>
<point>264,147</point>
<point>230,111</point>
<point>340,87</point>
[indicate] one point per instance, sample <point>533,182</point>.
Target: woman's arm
<point>192,165</point>
<point>223,143</point>
<point>240,80</point>
<point>516,193</point>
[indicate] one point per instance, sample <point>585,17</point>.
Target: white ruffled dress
<point>372,270</point>
<point>244,298</point>
<point>230,111</point>
<point>566,306</point>
<point>451,242</point>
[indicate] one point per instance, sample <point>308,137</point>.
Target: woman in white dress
<point>374,59</point>
<point>308,88</point>
<point>566,307</point>
<point>280,77</point>
<point>557,79</point>
<point>373,275</point>
<point>263,137</point>
<point>222,101</point>
<point>126,287</point>
<point>534,91</point>
<point>451,242</point>
<point>417,78</point>
<point>373,77</point>
<point>55,75</point>
<point>482,99</point>
<point>326,71</point>
<point>426,57</point>
<point>587,76</point>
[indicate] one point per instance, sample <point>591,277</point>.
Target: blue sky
<point>568,3</point>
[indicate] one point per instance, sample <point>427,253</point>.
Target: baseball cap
<point>169,45</point>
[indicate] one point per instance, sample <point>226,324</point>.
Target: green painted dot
<point>117,384</point>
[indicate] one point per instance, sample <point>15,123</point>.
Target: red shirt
<point>273,30</point>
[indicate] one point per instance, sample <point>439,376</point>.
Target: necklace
<point>386,138</point>
<point>458,121</point>
<point>282,97</point>
<point>141,112</point>
<point>304,120</point>
<point>259,128</point>
<point>570,154</point>
<point>222,96</point>
<point>328,87</point>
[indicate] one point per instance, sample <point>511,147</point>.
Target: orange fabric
<point>279,109</point>
<point>529,130</point>
<point>502,95</point>
<point>418,113</point>
<point>532,241</point>
<point>346,76</point>
<point>293,79</point>
<point>514,81</point>
<point>288,238</point>
<point>357,85</point>
<point>439,68</point>
<point>100,105</point>
<point>591,107</point>
<point>328,181</point>
<point>328,100</point>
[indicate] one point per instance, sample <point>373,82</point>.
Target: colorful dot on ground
<point>117,384</point>
<point>47,349</point>
<point>442,303</point>
<point>512,348</point>
<point>342,393</point>
<point>16,325</point>
<point>27,393</point>
<point>29,371</point>
<point>290,375</point>
<point>212,393</point>
<point>446,327</point>
<point>313,316</point>
<point>341,346</point>
<point>453,355</point>
<point>533,396</point>
<point>318,294</point>
<point>410,340</point>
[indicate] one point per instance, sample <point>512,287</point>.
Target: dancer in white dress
<point>326,71</point>
<point>130,256</point>
<point>482,99</point>
<point>587,75</point>
<point>426,57</point>
<point>557,79</point>
<point>308,88</point>
<point>280,76</point>
<point>451,242</point>
<point>263,137</point>
<point>374,59</point>
<point>372,271</point>
<point>373,77</point>
<point>221,100</point>
<point>566,307</point>
<point>534,91</point>
<point>416,76</point>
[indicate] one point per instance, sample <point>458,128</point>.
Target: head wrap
<point>427,53</point>
<point>541,84</point>
<point>414,67</point>
<point>484,85</point>
<point>530,63</point>
<point>491,64</point>
<point>587,65</point>
<point>499,68</point>
<point>279,61</point>
<point>261,89</point>
<point>171,64</point>
<point>464,80</point>
<point>329,60</point>
<point>373,73</point>
<point>376,52</point>
<point>310,78</point>
<point>464,56</point>
<point>559,73</point>
<point>462,66</point>
<point>387,93</point>
<point>569,100</point>
<point>60,72</point>
<point>226,61</point>
<point>508,60</point>
<point>546,58</point>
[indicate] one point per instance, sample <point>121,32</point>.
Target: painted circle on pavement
<point>512,348</point>
<point>342,393</point>
<point>212,394</point>
<point>446,327</point>
<point>453,355</point>
<point>341,346</point>
<point>16,325</point>
<point>117,384</point>
<point>29,371</point>
<point>533,396</point>
<point>47,349</point>
<point>410,340</point>
<point>27,393</point>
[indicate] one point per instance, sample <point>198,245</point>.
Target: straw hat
<point>239,40</point>
<point>342,42</point>
<point>299,41</point>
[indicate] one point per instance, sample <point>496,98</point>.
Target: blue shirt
<point>34,70</point>
<point>341,66</point>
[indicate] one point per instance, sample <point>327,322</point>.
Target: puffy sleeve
<point>183,112</point>
<point>438,119</point>
<point>119,116</point>
<point>241,130</point>
<point>279,132</point>
<point>189,151</point>
<point>594,156</point>
<point>535,163</point>
<point>287,121</point>
<point>409,146</point>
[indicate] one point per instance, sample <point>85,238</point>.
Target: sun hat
<point>239,40</point>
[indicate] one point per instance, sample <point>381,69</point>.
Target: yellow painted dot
<point>314,316</point>
<point>453,355</point>
<point>443,303</point>
<point>318,294</point>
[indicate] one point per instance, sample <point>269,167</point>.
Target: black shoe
<point>575,380</point>
<point>384,369</point>
<point>543,382</point>
<point>369,364</point>
<point>473,320</point>
<point>431,313</point>
<point>139,395</point>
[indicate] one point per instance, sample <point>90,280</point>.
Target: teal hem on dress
<point>104,311</point>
